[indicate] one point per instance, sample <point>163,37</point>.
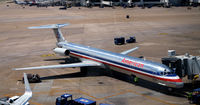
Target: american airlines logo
<point>132,63</point>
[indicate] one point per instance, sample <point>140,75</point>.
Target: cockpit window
<point>167,72</point>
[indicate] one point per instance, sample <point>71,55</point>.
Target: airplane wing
<point>22,100</point>
<point>129,51</point>
<point>81,64</point>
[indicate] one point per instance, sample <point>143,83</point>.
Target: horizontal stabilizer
<point>51,26</point>
<point>82,64</point>
<point>129,51</point>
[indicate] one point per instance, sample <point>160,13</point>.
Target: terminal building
<point>123,3</point>
<point>132,3</point>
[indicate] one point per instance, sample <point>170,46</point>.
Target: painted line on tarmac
<point>88,95</point>
<point>117,94</point>
<point>151,98</point>
<point>12,94</point>
<point>54,71</point>
<point>34,103</point>
<point>77,91</point>
<point>48,55</point>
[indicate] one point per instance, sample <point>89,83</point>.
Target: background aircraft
<point>19,100</point>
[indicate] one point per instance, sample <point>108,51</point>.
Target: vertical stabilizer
<point>22,100</point>
<point>59,35</point>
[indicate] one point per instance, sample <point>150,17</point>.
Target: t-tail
<point>56,29</point>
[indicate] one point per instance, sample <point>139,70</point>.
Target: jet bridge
<point>151,2</point>
<point>184,65</point>
<point>107,3</point>
<point>194,2</point>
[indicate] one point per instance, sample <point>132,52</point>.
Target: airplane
<point>120,62</point>
<point>26,2</point>
<point>19,100</point>
<point>20,2</point>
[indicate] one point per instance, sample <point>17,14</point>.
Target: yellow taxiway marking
<point>88,95</point>
<point>131,91</point>
<point>120,93</point>
<point>34,103</point>
<point>152,98</point>
<point>47,55</point>
<point>15,94</point>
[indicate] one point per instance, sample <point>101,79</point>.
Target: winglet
<point>129,51</point>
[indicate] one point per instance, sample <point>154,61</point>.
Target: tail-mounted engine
<point>61,51</point>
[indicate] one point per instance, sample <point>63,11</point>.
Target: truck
<point>132,39</point>
<point>194,96</point>
<point>66,99</point>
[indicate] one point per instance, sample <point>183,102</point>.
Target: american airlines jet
<point>121,62</point>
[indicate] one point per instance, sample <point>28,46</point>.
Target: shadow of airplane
<point>71,75</point>
<point>125,78</point>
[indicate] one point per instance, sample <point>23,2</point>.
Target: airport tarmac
<point>157,30</point>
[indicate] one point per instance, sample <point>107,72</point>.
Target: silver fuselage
<point>147,70</point>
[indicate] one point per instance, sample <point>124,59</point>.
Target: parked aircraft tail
<point>26,96</point>
<point>56,29</point>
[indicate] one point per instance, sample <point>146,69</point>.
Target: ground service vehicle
<point>132,39</point>
<point>33,78</point>
<point>66,99</point>
<point>194,97</point>
<point>119,41</point>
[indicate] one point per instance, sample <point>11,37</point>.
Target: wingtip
<point>14,69</point>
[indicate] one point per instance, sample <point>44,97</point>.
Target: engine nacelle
<point>61,51</point>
